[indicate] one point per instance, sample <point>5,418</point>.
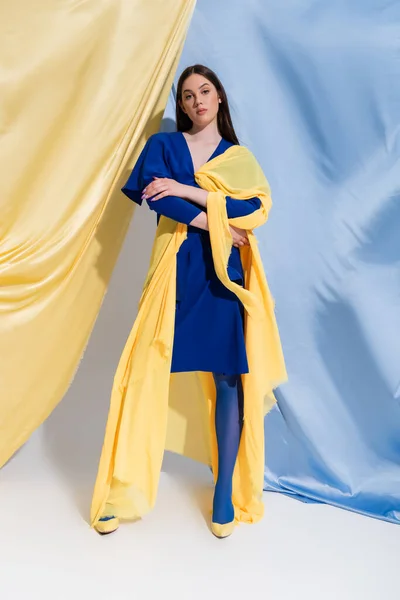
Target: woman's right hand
<point>239,236</point>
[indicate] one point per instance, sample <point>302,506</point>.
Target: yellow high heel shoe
<point>107,525</point>
<point>222,530</point>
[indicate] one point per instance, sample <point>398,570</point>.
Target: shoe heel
<point>105,526</point>
<point>222,530</point>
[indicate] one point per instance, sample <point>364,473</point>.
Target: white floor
<point>48,551</point>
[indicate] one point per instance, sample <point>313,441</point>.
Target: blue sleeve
<point>152,163</point>
<point>241,208</point>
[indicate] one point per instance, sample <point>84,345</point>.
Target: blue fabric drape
<point>314,89</point>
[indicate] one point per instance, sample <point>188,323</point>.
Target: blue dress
<point>209,333</point>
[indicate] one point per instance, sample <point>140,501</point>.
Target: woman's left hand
<point>161,187</point>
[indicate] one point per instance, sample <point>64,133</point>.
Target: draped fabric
<point>141,400</point>
<point>315,93</point>
<point>314,89</point>
<point>79,97</point>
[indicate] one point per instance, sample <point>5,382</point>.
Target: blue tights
<point>228,425</point>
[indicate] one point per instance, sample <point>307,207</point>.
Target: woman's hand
<point>239,236</point>
<point>161,187</point>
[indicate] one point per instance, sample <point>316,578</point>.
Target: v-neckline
<point>190,154</point>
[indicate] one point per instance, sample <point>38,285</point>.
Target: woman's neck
<point>208,134</point>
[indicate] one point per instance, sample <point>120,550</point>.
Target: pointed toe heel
<point>107,525</point>
<point>222,530</point>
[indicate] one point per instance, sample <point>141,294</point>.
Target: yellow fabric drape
<point>84,84</point>
<point>145,397</point>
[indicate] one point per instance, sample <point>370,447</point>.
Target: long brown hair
<point>224,121</point>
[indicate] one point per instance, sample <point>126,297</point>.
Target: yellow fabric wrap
<point>152,410</point>
<point>84,84</point>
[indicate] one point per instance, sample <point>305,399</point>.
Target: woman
<point>209,318</point>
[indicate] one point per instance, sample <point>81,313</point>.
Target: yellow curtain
<point>84,84</point>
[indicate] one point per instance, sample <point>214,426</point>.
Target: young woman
<point>209,332</point>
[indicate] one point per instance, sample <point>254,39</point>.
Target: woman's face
<point>200,100</point>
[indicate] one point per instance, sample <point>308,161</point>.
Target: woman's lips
<point>202,111</point>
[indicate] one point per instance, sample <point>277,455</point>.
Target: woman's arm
<point>158,195</point>
<point>172,207</point>
<point>164,196</point>
<point>201,221</point>
<point>234,207</point>
<point>175,208</point>
<point>161,187</point>
<point>241,208</point>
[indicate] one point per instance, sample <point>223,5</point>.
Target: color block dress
<point>208,333</point>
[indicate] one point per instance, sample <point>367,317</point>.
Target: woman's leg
<point>228,425</point>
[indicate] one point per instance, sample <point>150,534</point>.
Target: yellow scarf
<point>152,410</point>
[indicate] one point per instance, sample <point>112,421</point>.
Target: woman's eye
<point>188,97</point>
<point>205,91</point>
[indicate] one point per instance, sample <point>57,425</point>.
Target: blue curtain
<point>314,88</point>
